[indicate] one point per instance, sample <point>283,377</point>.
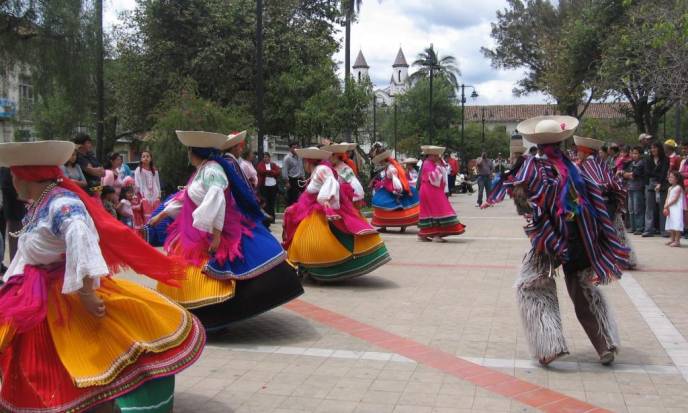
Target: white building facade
<point>16,104</point>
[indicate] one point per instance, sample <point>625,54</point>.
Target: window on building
<point>359,76</point>
<point>26,97</point>
<point>400,76</point>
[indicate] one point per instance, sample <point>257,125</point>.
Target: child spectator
<point>673,209</point>
<point>635,177</point>
<point>124,209</point>
<point>109,198</point>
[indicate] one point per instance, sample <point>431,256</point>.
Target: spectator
<point>72,170</point>
<point>12,208</point>
<point>268,174</point>
<point>485,171</point>
<point>147,183</point>
<point>90,166</point>
<point>453,171</point>
<point>113,176</point>
<point>674,208</point>
<point>656,169</point>
<point>634,175</point>
<point>623,158</point>
<point>645,142</point>
<point>125,212</point>
<point>603,154</point>
<point>109,199</point>
<point>674,158</point>
<point>684,174</point>
<point>292,172</point>
<point>246,163</point>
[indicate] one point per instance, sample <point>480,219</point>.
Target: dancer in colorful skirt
<point>395,202</point>
<point>437,217</point>
<point>613,191</point>
<point>324,234</point>
<point>346,169</point>
<point>568,225</point>
<point>72,338</point>
<point>238,267</point>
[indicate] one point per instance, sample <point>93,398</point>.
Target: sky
<point>455,27</point>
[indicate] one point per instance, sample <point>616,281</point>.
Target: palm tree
<point>430,64</point>
<point>350,8</point>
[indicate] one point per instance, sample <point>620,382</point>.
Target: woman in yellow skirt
<point>324,234</point>
<point>71,337</point>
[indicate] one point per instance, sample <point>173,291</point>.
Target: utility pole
<point>259,76</point>
<point>430,108</point>
<point>374,118</point>
<point>395,129</point>
<point>100,84</point>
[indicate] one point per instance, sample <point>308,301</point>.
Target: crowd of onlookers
<point>655,175</point>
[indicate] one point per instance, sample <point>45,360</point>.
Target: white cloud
<point>458,28</point>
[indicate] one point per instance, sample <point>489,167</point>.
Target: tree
<point>430,64</point>
<point>559,46</point>
<point>183,109</point>
<point>645,60</point>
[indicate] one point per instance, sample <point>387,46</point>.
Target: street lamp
<point>474,95</point>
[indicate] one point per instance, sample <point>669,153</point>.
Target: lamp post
<point>395,129</point>
<point>374,117</point>
<point>474,95</point>
<point>259,76</point>
<point>482,120</point>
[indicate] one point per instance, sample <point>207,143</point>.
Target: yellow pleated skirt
<point>199,290</point>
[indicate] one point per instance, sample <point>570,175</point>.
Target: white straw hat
<point>412,161</point>
<point>199,139</point>
<point>339,147</point>
<point>234,139</point>
<point>591,143</point>
<point>432,150</point>
<point>313,153</point>
<point>41,153</point>
<point>379,158</point>
<point>548,129</point>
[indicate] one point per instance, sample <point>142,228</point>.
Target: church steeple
<point>400,68</point>
<point>360,67</point>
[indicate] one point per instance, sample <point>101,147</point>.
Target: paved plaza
<point>437,330</point>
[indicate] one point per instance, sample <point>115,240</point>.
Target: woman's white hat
<point>233,139</point>
<point>198,139</point>
<point>548,129</point>
<point>381,157</point>
<point>339,147</point>
<point>591,143</point>
<point>412,161</point>
<point>40,153</point>
<point>313,153</point>
<point>432,150</point>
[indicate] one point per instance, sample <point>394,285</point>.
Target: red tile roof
<point>517,113</point>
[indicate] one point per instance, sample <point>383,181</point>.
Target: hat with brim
<point>548,129</point>
<point>313,153</point>
<point>234,139</point>
<point>41,153</point>
<point>591,143</point>
<point>411,161</point>
<point>432,150</point>
<point>379,158</point>
<point>198,139</point>
<point>670,143</point>
<point>339,147</point>
<point>643,136</point>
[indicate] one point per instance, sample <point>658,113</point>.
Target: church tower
<point>360,67</point>
<point>398,84</point>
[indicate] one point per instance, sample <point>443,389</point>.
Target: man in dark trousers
<point>12,208</point>
<point>292,172</point>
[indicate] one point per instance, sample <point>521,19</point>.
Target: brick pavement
<point>455,299</point>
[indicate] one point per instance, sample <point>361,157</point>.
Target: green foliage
<point>183,109</point>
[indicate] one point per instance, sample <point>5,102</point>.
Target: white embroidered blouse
<point>323,183</point>
<point>147,184</point>
<point>346,174</point>
<point>392,173</point>
<point>207,191</point>
<point>63,232</point>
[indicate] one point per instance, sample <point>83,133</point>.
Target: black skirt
<point>252,297</point>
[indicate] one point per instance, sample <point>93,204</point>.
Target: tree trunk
<point>100,85</point>
<point>347,60</point>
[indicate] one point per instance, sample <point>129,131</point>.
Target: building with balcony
<point>16,104</point>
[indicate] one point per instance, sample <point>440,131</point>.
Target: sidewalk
<point>437,330</point>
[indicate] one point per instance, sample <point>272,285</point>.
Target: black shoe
<point>647,234</point>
